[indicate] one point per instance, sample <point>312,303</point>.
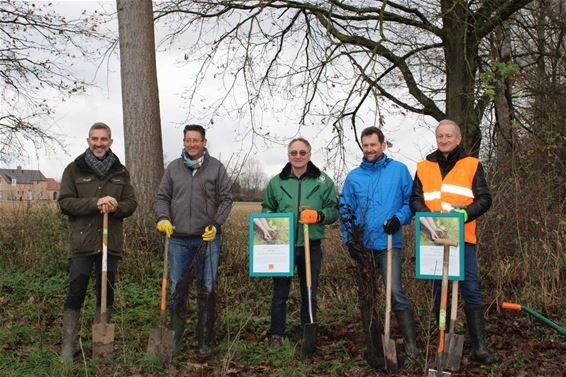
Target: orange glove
<point>309,216</point>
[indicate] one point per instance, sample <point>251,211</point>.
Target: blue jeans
<point>182,251</point>
<point>282,285</point>
<point>470,286</point>
<point>399,300</point>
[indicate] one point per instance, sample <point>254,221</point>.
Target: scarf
<point>193,165</point>
<point>101,167</point>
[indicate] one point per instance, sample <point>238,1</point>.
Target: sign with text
<point>271,244</point>
<point>431,229</point>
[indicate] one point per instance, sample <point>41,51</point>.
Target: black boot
<point>476,329</point>
<point>206,320</point>
<point>178,326</point>
<point>407,326</point>
<point>70,333</point>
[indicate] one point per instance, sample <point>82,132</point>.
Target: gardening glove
<point>355,253</point>
<point>392,225</point>
<point>209,233</point>
<point>310,216</point>
<point>165,226</point>
<point>463,212</point>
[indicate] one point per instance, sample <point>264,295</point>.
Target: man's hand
<point>107,204</point>
<point>309,216</point>
<point>209,233</point>
<point>392,225</point>
<point>165,226</point>
<point>463,212</point>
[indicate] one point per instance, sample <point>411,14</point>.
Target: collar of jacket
<point>83,166</point>
<point>457,154</point>
<point>377,164</point>
<point>312,171</point>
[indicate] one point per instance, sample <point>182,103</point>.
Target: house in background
<point>27,185</point>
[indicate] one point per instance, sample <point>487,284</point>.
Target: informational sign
<point>432,228</point>
<point>271,244</point>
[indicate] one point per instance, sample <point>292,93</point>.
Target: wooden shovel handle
<point>387,328</point>
<point>104,268</point>
<point>443,297</point>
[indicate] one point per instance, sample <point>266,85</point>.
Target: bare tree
<point>140,101</point>
<point>38,49</point>
<point>341,58</point>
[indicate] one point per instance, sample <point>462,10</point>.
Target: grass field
<point>33,242</point>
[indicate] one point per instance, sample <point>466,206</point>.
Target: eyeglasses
<point>193,141</point>
<point>301,153</point>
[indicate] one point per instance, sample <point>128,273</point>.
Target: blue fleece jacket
<point>373,192</point>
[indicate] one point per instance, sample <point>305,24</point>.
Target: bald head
<point>448,136</point>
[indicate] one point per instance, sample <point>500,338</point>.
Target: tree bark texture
<point>140,102</point>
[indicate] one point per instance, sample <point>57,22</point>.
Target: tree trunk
<point>460,50</point>
<point>140,102</point>
<point>505,138</point>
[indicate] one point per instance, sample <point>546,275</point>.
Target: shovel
<point>389,349</point>
<point>309,332</point>
<point>454,342</point>
<point>160,340</point>
<point>441,354</point>
<point>103,332</point>
<point>534,313</point>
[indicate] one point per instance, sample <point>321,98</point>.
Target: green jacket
<point>80,190</point>
<point>285,193</point>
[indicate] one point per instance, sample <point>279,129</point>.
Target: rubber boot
<point>70,333</point>
<point>206,317</point>
<point>476,329</point>
<point>407,326</point>
<point>177,324</point>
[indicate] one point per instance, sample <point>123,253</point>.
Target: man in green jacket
<point>300,184</point>
<point>94,184</point>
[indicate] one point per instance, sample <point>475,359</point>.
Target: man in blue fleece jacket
<point>375,203</point>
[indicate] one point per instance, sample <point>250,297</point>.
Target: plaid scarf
<point>100,167</point>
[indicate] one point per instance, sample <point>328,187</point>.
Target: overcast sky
<point>410,137</point>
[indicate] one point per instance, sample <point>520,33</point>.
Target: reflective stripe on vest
<point>456,188</point>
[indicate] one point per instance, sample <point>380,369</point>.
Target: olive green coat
<point>80,190</point>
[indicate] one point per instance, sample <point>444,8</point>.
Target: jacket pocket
<point>83,237</point>
<point>313,191</point>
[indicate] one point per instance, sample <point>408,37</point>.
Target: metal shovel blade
<point>390,353</point>
<point>160,343</point>
<point>309,340</point>
<point>454,348</point>
<point>435,373</point>
<point>103,340</point>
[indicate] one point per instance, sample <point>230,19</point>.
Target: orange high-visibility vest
<point>456,188</point>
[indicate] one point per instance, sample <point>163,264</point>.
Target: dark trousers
<point>282,286</point>
<point>80,269</point>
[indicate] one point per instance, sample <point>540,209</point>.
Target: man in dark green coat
<point>299,184</point>
<point>94,184</point>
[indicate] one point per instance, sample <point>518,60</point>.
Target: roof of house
<point>52,184</point>
<point>22,176</point>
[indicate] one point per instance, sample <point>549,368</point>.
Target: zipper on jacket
<point>299,180</point>
<point>313,191</point>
